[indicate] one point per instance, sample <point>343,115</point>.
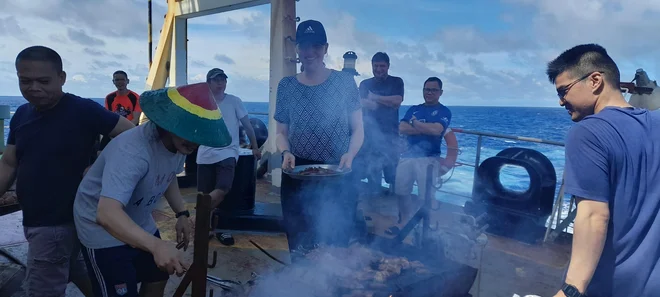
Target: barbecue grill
<point>9,203</point>
<point>318,208</point>
<point>443,278</point>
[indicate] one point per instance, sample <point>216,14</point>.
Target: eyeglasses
<point>562,91</point>
<point>430,90</point>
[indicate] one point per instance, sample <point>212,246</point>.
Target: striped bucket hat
<point>189,112</point>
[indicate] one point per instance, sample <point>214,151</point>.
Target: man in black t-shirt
<point>381,97</point>
<point>49,146</point>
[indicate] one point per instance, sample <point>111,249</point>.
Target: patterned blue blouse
<point>318,116</point>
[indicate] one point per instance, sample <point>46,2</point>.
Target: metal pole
<point>150,30</point>
<point>430,194</point>
<point>477,160</point>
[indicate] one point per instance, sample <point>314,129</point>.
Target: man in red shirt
<point>123,101</point>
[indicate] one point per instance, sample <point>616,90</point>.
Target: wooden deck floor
<point>507,268</point>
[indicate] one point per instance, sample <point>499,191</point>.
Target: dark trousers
<point>374,165</point>
<point>318,212</point>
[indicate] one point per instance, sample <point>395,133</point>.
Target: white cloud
<point>9,27</point>
<point>79,78</point>
<point>477,66</point>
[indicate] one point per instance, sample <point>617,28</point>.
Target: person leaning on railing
<point>424,126</point>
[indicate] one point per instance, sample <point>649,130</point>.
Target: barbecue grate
<point>439,277</point>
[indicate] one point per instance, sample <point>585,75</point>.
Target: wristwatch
<point>284,152</point>
<point>571,291</point>
<point>182,213</point>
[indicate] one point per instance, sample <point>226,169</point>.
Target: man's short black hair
<point>41,53</point>
<point>435,79</point>
<point>582,60</point>
<point>381,57</point>
<point>120,72</point>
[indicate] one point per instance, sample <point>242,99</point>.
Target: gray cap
<point>215,72</point>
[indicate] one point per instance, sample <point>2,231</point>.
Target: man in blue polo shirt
<point>424,126</point>
<point>612,161</point>
<point>50,144</point>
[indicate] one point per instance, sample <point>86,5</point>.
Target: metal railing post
<point>4,115</point>
<point>477,160</point>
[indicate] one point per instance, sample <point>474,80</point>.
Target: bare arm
<point>249,130</point>
<point>429,128</point>
<point>406,129</point>
<point>357,133</point>
<point>368,103</point>
<point>8,164</point>
<point>282,138</point>
<point>111,216</point>
<point>136,118</point>
<point>589,233</point>
<point>122,125</point>
<point>173,196</point>
<point>391,101</point>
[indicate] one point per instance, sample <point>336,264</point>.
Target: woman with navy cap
<point>319,121</point>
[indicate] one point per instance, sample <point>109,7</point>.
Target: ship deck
<point>506,267</point>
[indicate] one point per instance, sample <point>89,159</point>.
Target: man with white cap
<point>216,166</point>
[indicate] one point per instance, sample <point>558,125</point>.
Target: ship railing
<point>557,224</point>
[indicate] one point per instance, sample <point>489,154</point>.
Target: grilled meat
<point>8,199</point>
<point>317,171</point>
<point>331,271</point>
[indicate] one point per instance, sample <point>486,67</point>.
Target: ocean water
<point>545,123</point>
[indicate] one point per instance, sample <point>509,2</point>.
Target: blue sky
<point>486,52</point>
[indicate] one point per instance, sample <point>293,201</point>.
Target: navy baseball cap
<point>311,32</point>
<point>215,72</point>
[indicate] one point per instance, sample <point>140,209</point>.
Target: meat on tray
<point>8,199</point>
<point>317,171</point>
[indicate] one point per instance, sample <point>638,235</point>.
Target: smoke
<point>324,212</point>
<point>327,217</point>
<point>326,269</point>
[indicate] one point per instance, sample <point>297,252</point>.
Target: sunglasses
<point>562,91</point>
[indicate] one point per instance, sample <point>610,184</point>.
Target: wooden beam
<point>179,61</point>
<point>197,8</point>
<point>282,50</point>
<point>158,72</point>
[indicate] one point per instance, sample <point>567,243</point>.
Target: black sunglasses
<point>562,91</point>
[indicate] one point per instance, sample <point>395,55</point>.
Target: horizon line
<point>510,106</point>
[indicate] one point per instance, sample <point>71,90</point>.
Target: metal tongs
<point>233,287</point>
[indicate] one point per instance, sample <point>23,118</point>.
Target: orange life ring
<point>449,161</point>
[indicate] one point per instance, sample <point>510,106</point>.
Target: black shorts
<point>216,176</point>
<point>116,271</point>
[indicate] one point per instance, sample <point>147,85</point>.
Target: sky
<point>487,52</point>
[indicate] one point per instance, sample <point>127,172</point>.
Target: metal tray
<point>295,172</point>
<point>9,208</point>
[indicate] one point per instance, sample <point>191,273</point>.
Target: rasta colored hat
<point>189,112</point>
